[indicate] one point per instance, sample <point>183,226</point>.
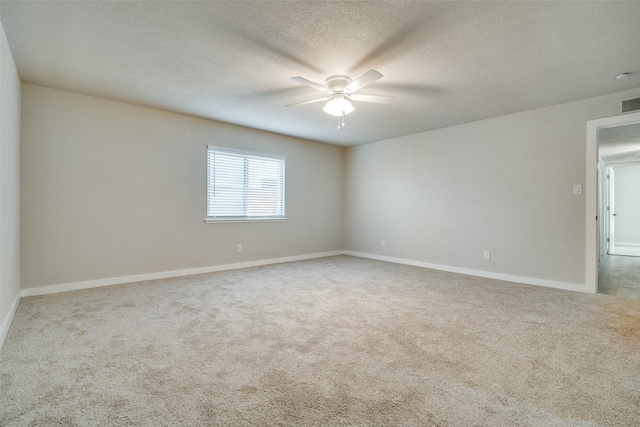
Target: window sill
<point>228,220</point>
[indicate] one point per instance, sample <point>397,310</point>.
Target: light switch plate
<point>577,189</point>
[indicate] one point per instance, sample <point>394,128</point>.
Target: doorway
<point>613,219</point>
<point>623,207</point>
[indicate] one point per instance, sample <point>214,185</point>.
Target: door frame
<point>611,210</point>
<point>591,193</point>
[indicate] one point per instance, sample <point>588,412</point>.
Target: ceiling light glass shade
<point>338,105</point>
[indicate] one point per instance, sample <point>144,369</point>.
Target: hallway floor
<point>619,276</point>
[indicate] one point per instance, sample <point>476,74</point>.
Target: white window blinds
<point>244,185</point>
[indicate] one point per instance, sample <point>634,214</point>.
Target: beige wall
<point>111,189</point>
<point>503,184</point>
<point>9,185</point>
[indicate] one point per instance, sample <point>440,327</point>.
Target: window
<point>244,186</point>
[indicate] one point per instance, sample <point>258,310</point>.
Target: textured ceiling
<point>446,62</point>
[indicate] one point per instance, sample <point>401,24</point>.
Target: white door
<point>603,217</point>
<point>611,211</point>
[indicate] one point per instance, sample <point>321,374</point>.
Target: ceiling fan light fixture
<point>340,91</point>
<point>338,106</point>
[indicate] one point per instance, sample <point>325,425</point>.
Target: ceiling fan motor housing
<point>337,83</point>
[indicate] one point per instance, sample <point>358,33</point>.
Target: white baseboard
<point>54,289</point>
<point>628,245</point>
<point>479,273</point>
<point>6,322</point>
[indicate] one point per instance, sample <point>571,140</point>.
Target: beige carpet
<point>333,341</point>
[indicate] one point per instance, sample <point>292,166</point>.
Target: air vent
<point>629,105</point>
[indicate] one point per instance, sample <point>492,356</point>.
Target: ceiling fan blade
<point>309,102</point>
<point>309,83</point>
<point>364,80</point>
<point>378,99</point>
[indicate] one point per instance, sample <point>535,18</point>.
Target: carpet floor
<point>337,341</point>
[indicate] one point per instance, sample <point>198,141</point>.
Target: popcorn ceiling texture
<point>447,62</point>
<point>332,341</point>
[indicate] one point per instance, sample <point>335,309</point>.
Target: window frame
<point>245,155</point>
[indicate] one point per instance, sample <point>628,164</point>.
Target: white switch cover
<point>577,189</point>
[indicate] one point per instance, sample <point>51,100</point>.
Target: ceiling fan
<point>340,91</point>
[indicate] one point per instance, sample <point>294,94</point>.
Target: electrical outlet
<point>487,254</point>
<point>383,243</point>
<point>239,248</point>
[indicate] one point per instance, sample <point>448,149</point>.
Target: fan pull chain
<point>341,121</point>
